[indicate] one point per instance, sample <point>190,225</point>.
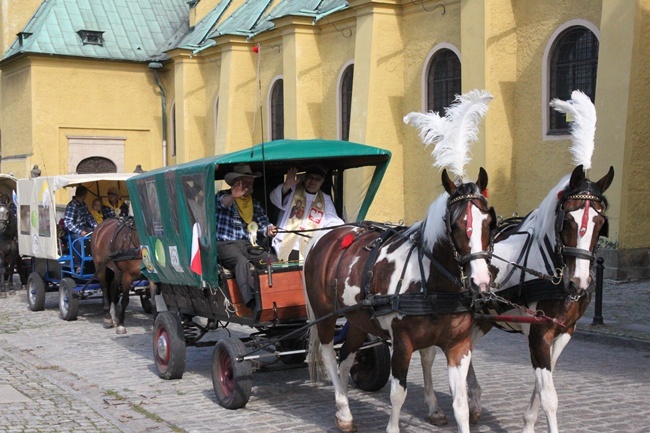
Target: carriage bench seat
<point>283,301</point>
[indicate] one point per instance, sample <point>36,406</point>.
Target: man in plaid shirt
<point>78,220</point>
<point>240,219</point>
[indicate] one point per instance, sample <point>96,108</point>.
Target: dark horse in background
<point>9,255</point>
<point>116,254</point>
<point>412,287</point>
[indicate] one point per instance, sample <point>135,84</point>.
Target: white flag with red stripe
<point>195,264</point>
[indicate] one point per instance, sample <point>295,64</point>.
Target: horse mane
<point>542,219</point>
<point>432,228</point>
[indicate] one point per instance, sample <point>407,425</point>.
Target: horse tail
<point>314,352</point>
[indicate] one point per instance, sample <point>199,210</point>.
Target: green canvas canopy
<point>169,203</point>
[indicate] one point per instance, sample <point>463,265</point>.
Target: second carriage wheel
<point>68,300</point>
<point>169,346</point>
<point>35,292</point>
<point>231,378</point>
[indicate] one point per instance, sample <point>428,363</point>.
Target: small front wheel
<point>169,346</point>
<point>35,292</point>
<point>232,379</point>
<point>371,367</point>
<point>68,300</point>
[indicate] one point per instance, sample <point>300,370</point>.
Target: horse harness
<point>132,253</point>
<point>424,302</point>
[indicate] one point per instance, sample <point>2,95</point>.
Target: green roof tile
<point>134,30</point>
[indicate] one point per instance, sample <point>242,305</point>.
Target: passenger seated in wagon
<point>78,221</point>
<point>303,206</point>
<point>114,205</point>
<point>240,218</point>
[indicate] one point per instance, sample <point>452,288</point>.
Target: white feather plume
<point>583,126</point>
<point>454,133</point>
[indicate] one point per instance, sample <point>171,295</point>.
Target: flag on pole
<point>195,264</point>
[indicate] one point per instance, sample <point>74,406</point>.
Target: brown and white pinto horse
<point>414,288</point>
<point>544,265</point>
<point>116,253</point>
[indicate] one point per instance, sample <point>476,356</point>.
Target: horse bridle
<point>460,259</point>
<point>589,195</point>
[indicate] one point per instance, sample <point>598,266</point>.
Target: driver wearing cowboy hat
<point>240,219</point>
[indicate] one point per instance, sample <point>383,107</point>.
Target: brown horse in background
<point>116,253</point>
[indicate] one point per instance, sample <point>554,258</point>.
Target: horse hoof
<point>474,417</point>
<point>12,292</point>
<point>346,426</point>
<point>120,330</point>
<point>439,420</point>
<point>3,295</point>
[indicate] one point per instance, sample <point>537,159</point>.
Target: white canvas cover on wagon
<point>37,234</point>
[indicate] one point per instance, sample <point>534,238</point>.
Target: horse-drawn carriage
<point>52,249</point>
<point>174,209</point>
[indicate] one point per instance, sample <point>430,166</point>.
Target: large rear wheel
<point>371,367</point>
<point>68,300</point>
<point>169,346</point>
<point>35,292</point>
<point>232,380</point>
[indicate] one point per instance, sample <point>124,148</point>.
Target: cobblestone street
<point>58,376</point>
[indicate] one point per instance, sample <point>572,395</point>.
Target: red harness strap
<point>585,219</point>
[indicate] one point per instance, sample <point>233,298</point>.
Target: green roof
<point>144,30</point>
<point>132,30</point>
<point>198,36</point>
<point>308,8</point>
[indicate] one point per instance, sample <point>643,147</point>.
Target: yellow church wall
<point>16,119</point>
<point>422,33</point>
<point>336,47</point>
<point>270,59</point>
<point>540,163</point>
<point>377,111</point>
<point>100,98</point>
<point>238,86</point>
<point>632,177</point>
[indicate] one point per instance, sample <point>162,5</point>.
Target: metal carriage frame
<point>174,209</point>
<point>50,249</point>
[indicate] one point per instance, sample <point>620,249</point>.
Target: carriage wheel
<point>146,301</point>
<point>68,300</point>
<point>232,380</point>
<point>169,346</point>
<point>35,292</point>
<point>371,367</point>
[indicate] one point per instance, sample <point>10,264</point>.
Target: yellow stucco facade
<point>217,99</point>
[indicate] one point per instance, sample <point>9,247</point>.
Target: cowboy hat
<point>242,170</point>
<point>317,169</point>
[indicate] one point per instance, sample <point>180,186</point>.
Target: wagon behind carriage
<point>174,209</point>
<point>50,248</point>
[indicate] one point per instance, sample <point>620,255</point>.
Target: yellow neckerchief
<point>99,217</point>
<point>301,219</point>
<point>115,208</point>
<point>245,208</point>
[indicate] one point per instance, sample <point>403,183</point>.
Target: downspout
<point>155,66</point>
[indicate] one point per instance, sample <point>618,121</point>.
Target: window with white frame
<point>443,80</point>
<point>573,65</point>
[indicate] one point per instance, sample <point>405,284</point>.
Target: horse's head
<point>580,220</point>
<point>5,218</point>
<point>470,222</point>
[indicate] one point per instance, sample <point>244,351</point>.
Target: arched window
<point>277,110</point>
<point>573,66</point>
<point>346,101</point>
<point>443,80</point>
<point>96,164</point>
